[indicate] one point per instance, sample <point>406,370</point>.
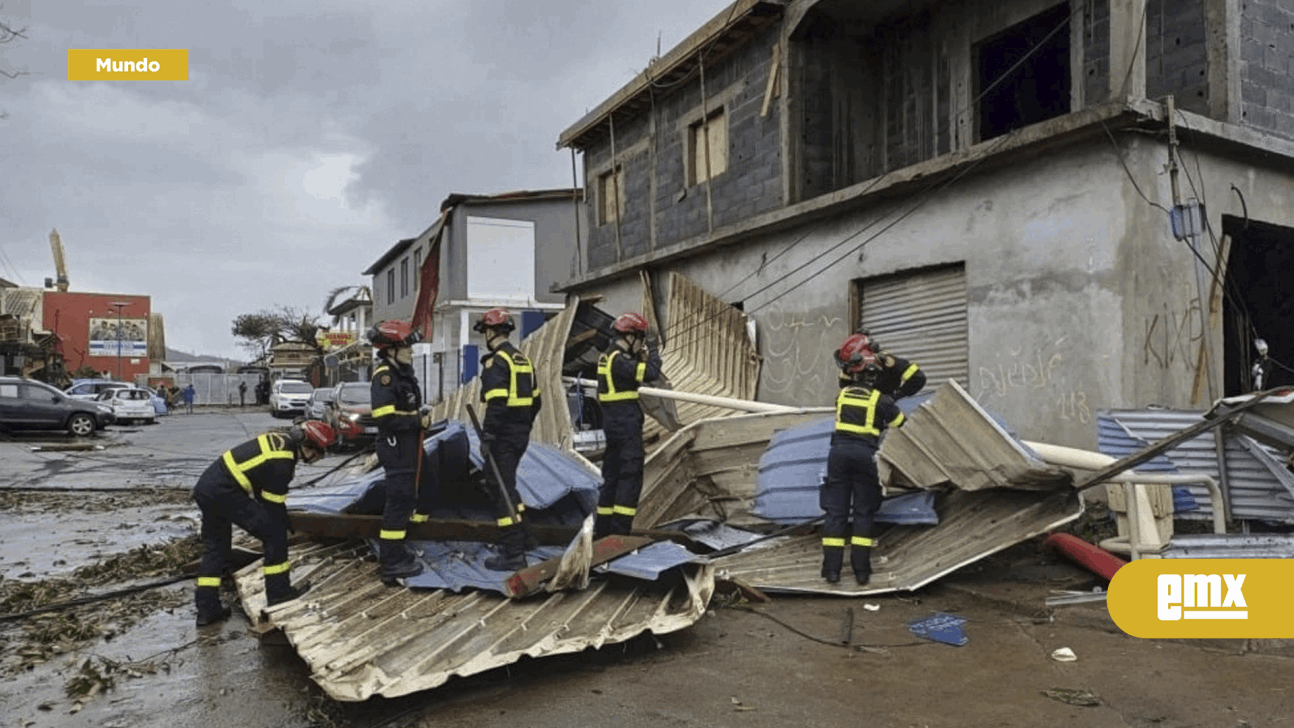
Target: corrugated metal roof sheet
<point>361,638</point>
<point>1258,486</point>
<point>713,461</point>
<point>1230,546</point>
<point>707,350</point>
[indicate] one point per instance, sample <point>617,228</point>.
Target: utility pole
<point>119,305</point>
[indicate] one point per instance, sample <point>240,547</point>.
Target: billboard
<point>127,337</point>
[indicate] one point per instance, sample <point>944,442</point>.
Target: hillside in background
<point>175,355</point>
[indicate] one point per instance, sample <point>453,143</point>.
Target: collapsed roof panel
<point>361,638</point>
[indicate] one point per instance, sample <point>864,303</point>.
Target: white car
<point>90,389</point>
<point>289,397</point>
<point>129,404</point>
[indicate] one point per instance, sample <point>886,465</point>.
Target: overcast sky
<point>309,138</point>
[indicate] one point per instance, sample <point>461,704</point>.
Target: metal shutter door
<point>921,316</point>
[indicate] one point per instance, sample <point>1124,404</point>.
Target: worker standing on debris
<point>899,377</point>
<point>397,403</point>
<point>248,487</point>
<point>863,412</point>
<point>621,370</point>
<point>510,391</point>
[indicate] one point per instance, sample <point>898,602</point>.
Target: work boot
<point>512,548</point>
<point>602,527</point>
<point>861,559</point>
<point>622,525</point>
<point>210,610</point>
<point>278,589</point>
<point>832,559</point>
<point>397,562</point>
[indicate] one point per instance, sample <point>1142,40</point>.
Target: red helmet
<point>319,434</point>
<point>495,318</point>
<point>854,355</point>
<point>393,333</point>
<point>630,323</point>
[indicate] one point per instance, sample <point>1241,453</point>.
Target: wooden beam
<point>774,67</point>
<point>531,579</point>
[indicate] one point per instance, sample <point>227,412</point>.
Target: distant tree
<point>297,325</point>
<point>8,34</point>
<point>258,331</point>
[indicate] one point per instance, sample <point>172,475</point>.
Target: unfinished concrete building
<point>1065,207</point>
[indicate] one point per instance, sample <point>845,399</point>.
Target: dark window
<point>404,278</point>
<point>390,286</point>
<point>1022,73</point>
<point>417,261</point>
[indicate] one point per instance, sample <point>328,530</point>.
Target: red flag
<point>428,287</point>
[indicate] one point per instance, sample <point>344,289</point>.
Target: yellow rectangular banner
<point>128,64</point>
<point>1204,598</point>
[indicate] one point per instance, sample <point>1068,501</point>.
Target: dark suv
<point>26,404</point>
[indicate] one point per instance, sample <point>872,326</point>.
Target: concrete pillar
<point>1127,49</point>
<point>1222,19</point>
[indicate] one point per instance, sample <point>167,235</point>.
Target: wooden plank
<point>530,580</point>
<point>774,67</point>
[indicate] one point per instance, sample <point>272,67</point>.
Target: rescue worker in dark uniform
<point>853,485</point>
<point>248,487</point>
<point>397,410</point>
<point>510,391</point>
<point>621,370</point>
<point>899,377</point>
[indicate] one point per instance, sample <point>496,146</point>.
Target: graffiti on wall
<point>1173,337</point>
<point>1038,375</point>
<point>798,366</point>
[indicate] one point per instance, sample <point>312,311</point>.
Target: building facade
<point>109,332</point>
<point>1066,207</point>
<point>507,250</point>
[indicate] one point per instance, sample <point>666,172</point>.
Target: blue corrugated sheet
<point>649,562</point>
<point>555,489</point>
<point>1113,439</point>
<point>791,472</point>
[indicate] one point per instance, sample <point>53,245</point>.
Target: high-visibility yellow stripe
<point>899,420</point>
<point>604,373</point>
<point>833,542</point>
<point>862,541</point>
<point>209,581</point>
<point>384,410</point>
<point>505,521</point>
<point>847,399</point>
<point>418,518</point>
<point>907,373</point>
<point>272,569</point>
<point>517,365</point>
<point>605,510</point>
<point>391,535</point>
<point>268,452</point>
<point>496,393</point>
<point>625,511</point>
<point>273,497</point>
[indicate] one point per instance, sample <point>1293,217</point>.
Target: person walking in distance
<point>397,403</point>
<point>621,371</point>
<point>510,391</point>
<point>189,395</point>
<point>242,395</point>
<point>247,487</point>
<point>853,485</point>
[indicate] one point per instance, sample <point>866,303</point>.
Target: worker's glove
<point>653,358</point>
<point>425,416</point>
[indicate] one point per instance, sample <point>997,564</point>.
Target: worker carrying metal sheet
<point>853,486</point>
<point>621,371</point>
<point>247,487</point>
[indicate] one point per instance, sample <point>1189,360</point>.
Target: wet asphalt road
<point>777,664</point>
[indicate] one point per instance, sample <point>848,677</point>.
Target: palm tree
<point>336,296</point>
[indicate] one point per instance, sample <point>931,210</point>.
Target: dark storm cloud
<point>309,138</point>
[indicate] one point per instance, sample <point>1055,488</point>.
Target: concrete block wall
<point>1267,65</point>
<point>654,159</point>
<point>1177,53</point>
<point>1096,51</point>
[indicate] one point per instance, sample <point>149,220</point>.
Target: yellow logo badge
<point>123,64</point>
<point>1204,598</point>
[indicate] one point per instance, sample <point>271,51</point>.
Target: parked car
<point>352,411</point>
<point>318,404</point>
<point>89,389</point>
<point>26,404</point>
<point>130,404</point>
<point>289,397</point>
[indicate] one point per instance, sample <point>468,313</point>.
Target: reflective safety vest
<point>522,389</point>
<point>242,463</point>
<point>607,391</point>
<point>856,412</point>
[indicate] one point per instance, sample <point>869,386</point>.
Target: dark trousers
<point>852,490</point>
<point>399,453</point>
<point>225,504</point>
<point>622,466</point>
<point>507,448</point>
